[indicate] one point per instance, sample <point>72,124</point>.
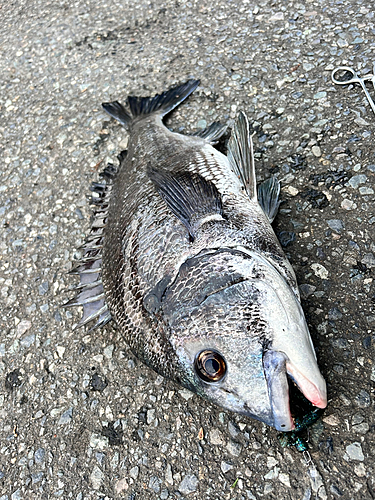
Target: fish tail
<point>161,104</point>
<point>117,111</point>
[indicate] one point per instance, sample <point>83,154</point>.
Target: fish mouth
<point>311,391</point>
<point>277,368</point>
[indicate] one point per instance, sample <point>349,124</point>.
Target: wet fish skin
<point>189,262</point>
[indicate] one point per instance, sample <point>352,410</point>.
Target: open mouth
<point>303,412</point>
<point>311,392</point>
<point>277,369</point>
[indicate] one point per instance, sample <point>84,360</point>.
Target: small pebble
<point>336,224</point>
<point>354,452</point>
<point>23,326</point>
<point>363,399</point>
<point>360,470</point>
<point>348,204</point>
<point>188,485</point>
<point>316,151</point>
<point>284,479</point>
<point>320,271</point>
<point>364,190</point>
<point>39,455</point>
<point>134,471</point>
<point>154,484</point>
<point>369,260</point>
<point>66,417</point>
<point>234,448</point>
<point>356,180</point>
<point>96,477</point>
<point>331,420</point>
<point>272,474</point>
<point>121,485</point>
<point>216,437</point>
<point>186,394</point>
<point>225,467</point>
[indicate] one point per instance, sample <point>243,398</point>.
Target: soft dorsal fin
<point>191,198</point>
<point>241,155</point>
<point>268,197</point>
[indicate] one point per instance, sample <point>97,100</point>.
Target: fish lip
<point>311,391</point>
<point>274,365</point>
<point>277,369</point>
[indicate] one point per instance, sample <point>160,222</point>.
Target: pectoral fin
<point>191,198</point>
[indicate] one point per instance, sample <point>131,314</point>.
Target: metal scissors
<point>356,79</point>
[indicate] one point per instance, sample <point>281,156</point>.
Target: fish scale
<point>183,258</point>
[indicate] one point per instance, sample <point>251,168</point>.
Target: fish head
<point>241,345</point>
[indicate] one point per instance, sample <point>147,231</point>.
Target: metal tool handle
<point>355,79</point>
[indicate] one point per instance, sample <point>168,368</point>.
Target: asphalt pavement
<point>80,417</point>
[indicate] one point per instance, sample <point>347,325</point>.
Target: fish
<point>182,257</point>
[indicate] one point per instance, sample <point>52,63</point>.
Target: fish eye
<point>210,365</point>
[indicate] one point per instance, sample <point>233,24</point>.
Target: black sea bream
<point>182,256</point>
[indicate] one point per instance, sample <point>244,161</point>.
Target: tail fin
<point>117,111</point>
<point>162,103</point>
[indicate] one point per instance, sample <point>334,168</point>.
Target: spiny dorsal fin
<point>268,197</point>
<point>213,132</point>
<point>241,155</point>
<point>191,198</point>
<point>90,292</point>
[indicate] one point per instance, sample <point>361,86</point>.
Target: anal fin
<point>268,197</point>
<point>212,133</point>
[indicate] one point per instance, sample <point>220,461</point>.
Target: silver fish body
<point>183,257</point>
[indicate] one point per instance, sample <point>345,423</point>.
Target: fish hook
<point>307,457</point>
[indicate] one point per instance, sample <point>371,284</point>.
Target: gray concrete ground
<point>80,417</point>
